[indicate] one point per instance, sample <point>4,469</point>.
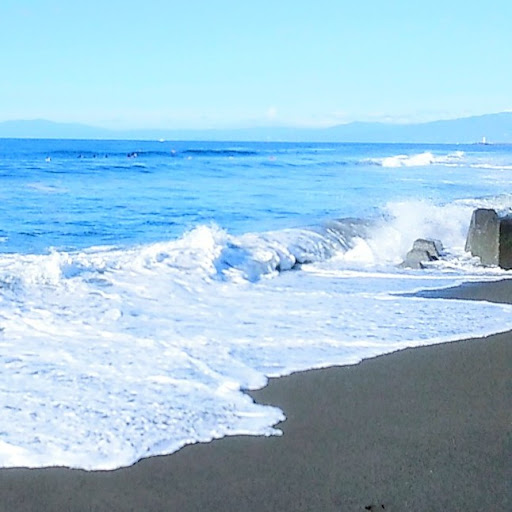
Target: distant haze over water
<point>491,128</point>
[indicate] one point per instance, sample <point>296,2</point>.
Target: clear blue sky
<point>220,63</point>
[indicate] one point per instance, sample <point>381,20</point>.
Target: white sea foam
<point>501,203</point>
<point>49,189</point>
<point>419,159</point>
<point>110,355</point>
<point>497,167</point>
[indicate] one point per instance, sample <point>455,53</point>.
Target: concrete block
<point>423,250</point>
<point>505,243</point>
<point>490,238</point>
<point>433,247</point>
<point>415,259</point>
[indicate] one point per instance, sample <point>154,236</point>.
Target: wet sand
<point>424,429</point>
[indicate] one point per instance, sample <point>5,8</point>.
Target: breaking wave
<point>211,253</point>
<point>419,160</point>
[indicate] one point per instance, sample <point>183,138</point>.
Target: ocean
<point>145,285</point>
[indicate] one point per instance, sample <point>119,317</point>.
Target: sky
<point>235,63</point>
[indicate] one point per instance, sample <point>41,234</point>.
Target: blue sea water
<point>144,285</point>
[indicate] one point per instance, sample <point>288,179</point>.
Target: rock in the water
<point>433,247</point>
<point>423,250</point>
<point>490,238</point>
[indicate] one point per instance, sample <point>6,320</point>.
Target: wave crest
<point>418,160</point>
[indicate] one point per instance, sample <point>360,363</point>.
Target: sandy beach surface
<point>425,429</point>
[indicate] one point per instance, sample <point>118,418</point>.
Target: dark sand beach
<point>425,429</point>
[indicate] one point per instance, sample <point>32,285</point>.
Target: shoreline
<point>427,428</point>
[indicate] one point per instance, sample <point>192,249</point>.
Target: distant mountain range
<point>493,128</point>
